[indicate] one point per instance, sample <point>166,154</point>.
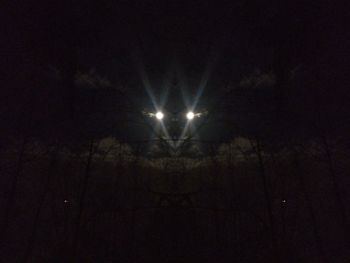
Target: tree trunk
<point>262,173</point>
<point>335,182</point>
<point>323,257</point>
<point>41,201</point>
<point>11,200</point>
<point>76,237</point>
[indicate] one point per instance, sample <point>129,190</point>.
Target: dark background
<point>87,175</point>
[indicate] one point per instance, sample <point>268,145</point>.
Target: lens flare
<point>159,115</point>
<point>190,115</point>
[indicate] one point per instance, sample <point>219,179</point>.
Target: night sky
<point>180,50</point>
<point>83,80</point>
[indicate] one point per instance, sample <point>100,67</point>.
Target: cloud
<point>91,80</point>
<point>258,80</point>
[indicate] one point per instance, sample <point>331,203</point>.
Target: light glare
<point>159,115</point>
<point>190,115</point>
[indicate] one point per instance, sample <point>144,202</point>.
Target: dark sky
<point>177,44</point>
<point>107,32</point>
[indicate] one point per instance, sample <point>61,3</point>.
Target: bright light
<point>190,115</point>
<point>159,115</point>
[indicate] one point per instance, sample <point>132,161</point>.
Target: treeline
<point>104,200</point>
